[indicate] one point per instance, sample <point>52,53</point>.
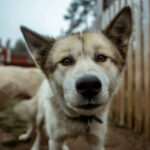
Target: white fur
<point>58,125</point>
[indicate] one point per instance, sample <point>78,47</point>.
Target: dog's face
<point>84,69</point>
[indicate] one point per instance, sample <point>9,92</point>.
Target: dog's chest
<point>63,127</point>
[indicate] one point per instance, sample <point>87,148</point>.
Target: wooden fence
<point>131,106</point>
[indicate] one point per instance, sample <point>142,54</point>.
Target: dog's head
<point>84,69</point>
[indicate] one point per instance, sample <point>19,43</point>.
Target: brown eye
<point>67,61</point>
<point>101,58</point>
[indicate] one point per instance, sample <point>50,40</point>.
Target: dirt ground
<point>117,138</point>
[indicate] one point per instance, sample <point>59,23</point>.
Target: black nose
<point>88,86</point>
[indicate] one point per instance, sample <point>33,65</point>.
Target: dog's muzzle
<point>88,86</point>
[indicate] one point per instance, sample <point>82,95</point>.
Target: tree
<point>80,10</point>
<point>20,48</point>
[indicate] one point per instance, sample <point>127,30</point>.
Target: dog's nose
<point>88,86</point>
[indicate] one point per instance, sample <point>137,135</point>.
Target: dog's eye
<point>67,61</point>
<point>101,58</point>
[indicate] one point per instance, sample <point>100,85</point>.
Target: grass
<point>10,123</point>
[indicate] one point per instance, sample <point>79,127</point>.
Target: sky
<point>42,16</point>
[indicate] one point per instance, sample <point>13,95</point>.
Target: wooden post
<point>146,50</point>
<point>130,92</point>
<point>130,82</point>
<point>99,13</point>
<point>138,68</point>
<point>123,3</point>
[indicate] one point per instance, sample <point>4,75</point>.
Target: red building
<point>8,58</point>
<point>3,55</point>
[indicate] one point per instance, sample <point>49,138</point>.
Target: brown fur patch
<point>89,44</point>
<point>120,30</point>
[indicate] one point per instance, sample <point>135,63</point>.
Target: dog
<point>83,72</point>
<point>15,84</point>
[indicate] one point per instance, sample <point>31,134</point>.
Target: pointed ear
<point>120,29</point>
<point>38,45</point>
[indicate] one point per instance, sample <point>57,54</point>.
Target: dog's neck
<point>87,120</point>
<point>70,114</point>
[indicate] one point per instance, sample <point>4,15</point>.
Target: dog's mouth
<point>88,106</point>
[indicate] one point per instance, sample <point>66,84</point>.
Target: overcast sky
<point>43,16</point>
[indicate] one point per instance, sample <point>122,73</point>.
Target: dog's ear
<point>38,45</point>
<point>120,29</point>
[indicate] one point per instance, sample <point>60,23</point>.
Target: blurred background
<point>129,120</point>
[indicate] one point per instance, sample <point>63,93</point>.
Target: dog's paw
<point>65,147</point>
<point>23,137</point>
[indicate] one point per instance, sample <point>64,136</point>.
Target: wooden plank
<point>105,20</point>
<point>146,29</point>
<point>113,108</point>
<point>130,82</point>
<point>123,3</point>
<point>129,2</point>
<point>112,12</point>
<point>107,17</point>
<point>130,93</point>
<point>122,104</point>
<point>116,109</point>
<point>138,69</point>
<point>117,7</point>
<point>99,12</point>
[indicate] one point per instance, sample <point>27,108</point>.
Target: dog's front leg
<point>96,147</point>
<point>39,127</point>
<point>55,145</point>
<point>95,142</point>
<point>36,145</point>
